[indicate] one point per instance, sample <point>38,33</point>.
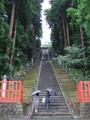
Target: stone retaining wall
<point>10,110</point>
<point>85,109</point>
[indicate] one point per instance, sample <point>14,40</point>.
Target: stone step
<point>58,96</point>
<point>54,107</point>
<point>54,97</point>
<point>54,104</point>
<point>52,114</point>
<point>63,103</point>
<point>52,118</point>
<point>55,110</point>
<point>44,92</point>
<point>56,101</point>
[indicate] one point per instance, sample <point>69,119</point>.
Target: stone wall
<point>85,109</point>
<point>10,110</point>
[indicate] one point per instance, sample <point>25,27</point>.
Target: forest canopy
<point>69,21</point>
<point>20,31</point>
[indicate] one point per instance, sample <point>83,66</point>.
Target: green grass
<point>67,84</point>
<point>69,79</point>
<point>29,83</point>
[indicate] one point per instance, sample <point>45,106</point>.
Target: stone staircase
<point>58,106</point>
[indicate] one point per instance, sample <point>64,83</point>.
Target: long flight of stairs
<point>58,105</point>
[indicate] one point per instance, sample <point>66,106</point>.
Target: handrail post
<point>4,85</point>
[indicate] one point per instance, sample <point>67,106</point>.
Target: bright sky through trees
<point>45,40</point>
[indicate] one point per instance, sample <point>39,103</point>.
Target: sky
<point>45,27</point>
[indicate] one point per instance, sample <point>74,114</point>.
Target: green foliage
<point>2,9</point>
<point>80,15</point>
<point>3,36</point>
<point>4,41</point>
<point>75,14</point>
<point>54,17</point>
<point>4,64</point>
<point>72,58</point>
<point>28,17</point>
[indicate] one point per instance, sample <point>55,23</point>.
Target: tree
<point>57,16</point>
<point>24,26</point>
<point>69,21</point>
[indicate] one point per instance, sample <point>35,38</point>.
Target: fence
<point>11,91</point>
<point>83,91</point>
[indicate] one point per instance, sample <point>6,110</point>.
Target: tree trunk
<point>12,20</point>
<point>67,30</point>
<point>82,38</point>
<point>11,25</point>
<point>64,32</point>
<point>84,57</point>
<point>13,44</point>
